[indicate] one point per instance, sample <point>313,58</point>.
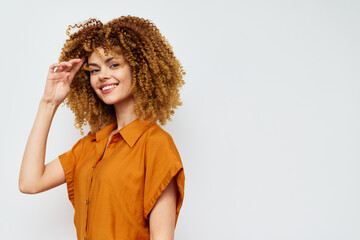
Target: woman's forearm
<point>32,166</point>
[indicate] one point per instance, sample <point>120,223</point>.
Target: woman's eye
<point>115,65</point>
<point>94,70</point>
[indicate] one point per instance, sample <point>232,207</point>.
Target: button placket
<point>90,184</point>
<point>87,200</point>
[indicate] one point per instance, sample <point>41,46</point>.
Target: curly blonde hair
<point>157,74</point>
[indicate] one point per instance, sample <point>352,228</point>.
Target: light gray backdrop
<point>269,127</point>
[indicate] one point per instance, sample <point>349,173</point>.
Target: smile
<point>108,88</point>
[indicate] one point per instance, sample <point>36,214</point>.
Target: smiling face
<point>111,78</point>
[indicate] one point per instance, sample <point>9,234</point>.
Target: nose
<point>103,75</point>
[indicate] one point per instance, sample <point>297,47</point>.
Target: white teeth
<point>108,87</point>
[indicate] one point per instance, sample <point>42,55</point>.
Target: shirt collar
<point>131,132</point>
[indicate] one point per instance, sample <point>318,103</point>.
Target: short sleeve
<point>162,163</point>
<point>68,161</point>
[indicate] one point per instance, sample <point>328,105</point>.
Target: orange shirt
<point>113,194</point>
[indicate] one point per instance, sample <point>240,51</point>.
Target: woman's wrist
<point>48,104</point>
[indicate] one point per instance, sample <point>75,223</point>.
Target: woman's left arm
<point>162,216</point>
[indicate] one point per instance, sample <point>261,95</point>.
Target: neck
<point>125,112</point>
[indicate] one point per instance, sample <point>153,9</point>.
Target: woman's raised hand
<point>59,78</point>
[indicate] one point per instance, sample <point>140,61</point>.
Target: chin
<point>114,101</point>
<point>109,101</point>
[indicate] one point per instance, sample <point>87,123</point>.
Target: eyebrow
<point>106,61</point>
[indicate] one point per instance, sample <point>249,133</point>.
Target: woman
<point>125,178</point>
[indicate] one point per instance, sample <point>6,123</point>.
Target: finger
<point>74,61</point>
<point>70,64</point>
<point>66,66</point>
<point>76,68</point>
<point>60,68</point>
<point>53,67</point>
<point>60,76</point>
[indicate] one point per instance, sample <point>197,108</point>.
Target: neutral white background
<point>269,128</point>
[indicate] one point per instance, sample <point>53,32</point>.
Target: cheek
<point>129,82</point>
<point>92,82</point>
<point>129,76</point>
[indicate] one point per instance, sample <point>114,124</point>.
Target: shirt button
<point>86,202</point>
<point>93,166</point>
